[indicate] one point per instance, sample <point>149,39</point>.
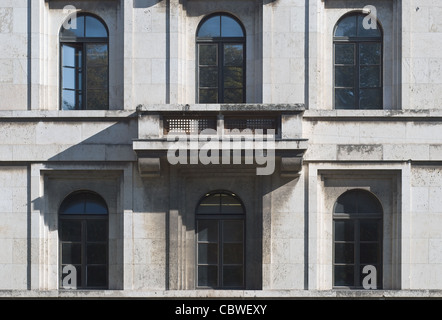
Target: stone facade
<point>46,153</point>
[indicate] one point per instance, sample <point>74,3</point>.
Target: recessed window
<point>357,238</point>
<point>220,241</point>
<point>84,69</point>
<point>221,60</point>
<point>357,64</point>
<point>83,234</point>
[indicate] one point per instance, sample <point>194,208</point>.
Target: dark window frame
<point>82,42</point>
<point>220,42</point>
<point>84,219</point>
<point>356,41</point>
<point>220,218</point>
<point>357,218</point>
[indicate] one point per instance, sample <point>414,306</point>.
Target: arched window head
<point>84,70</point>
<point>357,63</point>
<point>357,240</point>
<point>221,59</point>
<point>220,229</point>
<point>84,202</point>
<point>84,240</point>
<point>358,201</point>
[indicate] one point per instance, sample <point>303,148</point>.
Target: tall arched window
<point>221,60</point>
<point>357,237</point>
<point>83,234</point>
<point>84,64</point>
<point>220,241</point>
<point>357,64</point>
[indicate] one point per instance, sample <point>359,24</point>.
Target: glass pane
<point>74,204</point>
<point>95,28</point>
<point>369,253</point>
<point>208,230</point>
<point>68,100</point>
<point>231,204</point>
<point>230,27</point>
<point>96,253</point>
<point>97,100</point>
<point>97,54</point>
<point>208,55</point>
<point>233,276</point>
<point>344,230</point>
<point>369,230</point>
<point>71,253</point>
<point>70,77</point>
<point>69,54</point>
<point>233,55</point>
<point>208,77</point>
<point>95,206</point>
<point>347,203</point>
<point>370,53</point>
<point>97,230</point>
<point>211,28</point>
<point>344,99</point>
<point>97,78</point>
<point>207,276</point>
<point>346,27</point>
<point>207,253</point>
<point>363,32</point>
<point>70,230</point>
<point>344,276</point>
<point>367,203</point>
<point>74,27</point>
<point>370,76</point>
<point>344,76</point>
<point>97,276</point>
<point>233,77</point>
<point>210,204</point>
<point>233,231</point>
<point>233,96</point>
<point>232,253</point>
<point>345,53</point>
<point>371,98</point>
<point>208,96</point>
<point>344,253</point>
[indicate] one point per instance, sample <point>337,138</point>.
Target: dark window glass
<point>220,241</point>
<point>83,232</point>
<point>84,65</point>
<point>357,236</point>
<point>210,28</point>
<point>358,65</point>
<point>221,60</point>
<point>347,27</point>
<point>230,27</point>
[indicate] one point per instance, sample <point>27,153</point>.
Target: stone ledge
<point>222,294</point>
<point>257,107</point>
<point>426,114</point>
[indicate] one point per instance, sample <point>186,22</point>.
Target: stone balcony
<point>274,127</point>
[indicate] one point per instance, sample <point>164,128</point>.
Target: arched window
<point>220,241</point>
<point>221,60</point>
<point>357,64</point>
<point>84,64</point>
<point>357,237</point>
<point>83,234</point>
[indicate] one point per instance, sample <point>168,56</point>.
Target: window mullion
<point>83,253</point>
<point>220,253</point>
<point>357,245</point>
<point>221,72</point>
<point>357,75</point>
